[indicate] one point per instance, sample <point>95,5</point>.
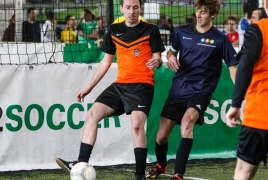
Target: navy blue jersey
<point>200,58</point>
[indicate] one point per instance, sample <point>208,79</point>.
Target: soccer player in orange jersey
<point>138,45</point>
<point>252,83</point>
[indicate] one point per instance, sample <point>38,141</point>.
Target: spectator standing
<point>68,34</point>
<point>9,33</point>
<point>190,19</point>
<point>230,27</point>
<point>31,29</point>
<point>48,30</point>
<point>87,27</point>
<point>243,24</point>
<point>166,23</point>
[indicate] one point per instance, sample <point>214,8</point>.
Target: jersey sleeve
<point>228,52</point>
<point>108,45</point>
<point>176,40</point>
<point>156,41</point>
<point>248,57</point>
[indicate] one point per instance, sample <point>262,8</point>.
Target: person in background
<point>58,30</point>
<point>251,84</point>
<point>190,19</point>
<point>257,15</point>
<point>231,32</point>
<point>166,23</point>
<point>48,30</point>
<point>68,34</point>
<point>9,33</point>
<point>31,29</point>
<point>101,27</point>
<point>87,27</point>
<point>243,24</point>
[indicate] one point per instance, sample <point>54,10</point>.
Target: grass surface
<point>216,169</point>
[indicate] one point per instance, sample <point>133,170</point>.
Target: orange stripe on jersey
<point>132,58</point>
<point>117,40</point>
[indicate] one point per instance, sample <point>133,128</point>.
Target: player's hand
<point>232,117</point>
<point>82,15</point>
<point>99,42</point>
<point>153,63</point>
<point>81,95</point>
<point>173,63</point>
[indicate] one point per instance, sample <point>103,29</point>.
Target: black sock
<point>161,153</point>
<point>140,156</point>
<point>183,155</point>
<point>85,152</point>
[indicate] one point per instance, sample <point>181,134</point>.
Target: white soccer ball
<point>83,171</point>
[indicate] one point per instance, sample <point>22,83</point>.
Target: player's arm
<point>155,62</point>
<point>173,63</point>
<point>101,71</point>
<point>248,56</point>
<point>233,70</point>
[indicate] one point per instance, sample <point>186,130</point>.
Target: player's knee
<point>161,139</point>
<point>136,130</point>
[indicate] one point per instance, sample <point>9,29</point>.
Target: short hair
<point>50,15</point>
<point>212,5</point>
<point>262,14</point>
<point>67,18</point>
<point>191,18</point>
<point>234,18</point>
<point>30,9</point>
<point>122,2</point>
<point>87,11</point>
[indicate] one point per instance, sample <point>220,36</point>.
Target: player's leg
<point>187,125</point>
<point>170,114</point>
<point>138,119</point>
<point>95,114</point>
<point>161,147</point>
<point>137,100</point>
<point>244,170</point>
<point>252,149</point>
<point>107,103</point>
<point>196,107</point>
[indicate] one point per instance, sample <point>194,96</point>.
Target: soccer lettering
<point>56,117</point>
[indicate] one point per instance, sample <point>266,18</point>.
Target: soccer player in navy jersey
<point>201,49</point>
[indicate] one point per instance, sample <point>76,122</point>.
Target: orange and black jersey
<point>134,47</point>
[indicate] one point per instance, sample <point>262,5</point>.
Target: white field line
<point>168,175</point>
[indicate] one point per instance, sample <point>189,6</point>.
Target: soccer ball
<point>83,171</point>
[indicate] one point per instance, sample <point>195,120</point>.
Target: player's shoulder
<point>217,32</point>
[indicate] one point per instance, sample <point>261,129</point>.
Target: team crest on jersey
<point>137,52</point>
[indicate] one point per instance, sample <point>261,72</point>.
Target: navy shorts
<point>125,98</point>
<point>175,108</point>
<point>253,145</point>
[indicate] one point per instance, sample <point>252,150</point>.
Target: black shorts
<point>125,98</point>
<point>253,145</point>
<point>175,108</point>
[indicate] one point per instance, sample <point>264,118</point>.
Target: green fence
<point>83,53</point>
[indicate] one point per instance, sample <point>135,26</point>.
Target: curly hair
<point>212,5</point>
